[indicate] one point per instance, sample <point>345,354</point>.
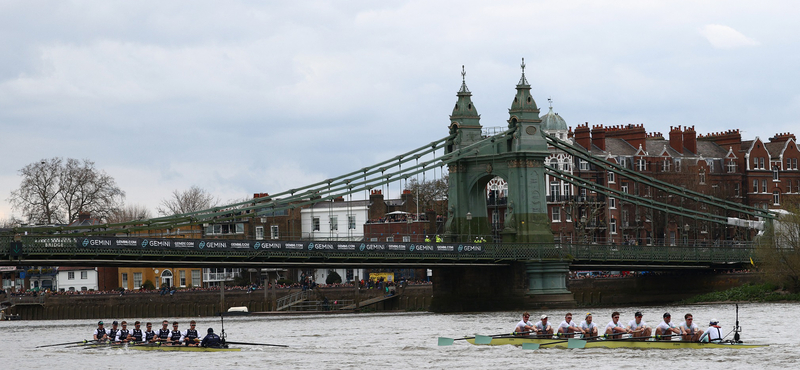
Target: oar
<point>571,343</point>
<point>256,344</point>
<point>67,343</point>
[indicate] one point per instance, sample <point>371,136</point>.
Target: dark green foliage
<point>148,285</point>
<point>333,278</point>
<point>747,293</point>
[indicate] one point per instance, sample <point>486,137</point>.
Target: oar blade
<point>446,341</point>
<point>483,339</point>
<point>576,343</point>
<point>530,345</point>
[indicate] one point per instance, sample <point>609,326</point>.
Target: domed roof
<point>553,122</point>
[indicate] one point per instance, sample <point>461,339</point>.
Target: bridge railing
<point>66,252</point>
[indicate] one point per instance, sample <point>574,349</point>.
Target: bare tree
<point>187,201</point>
<point>56,191</point>
<point>778,250</point>
<point>428,193</point>
<point>130,213</point>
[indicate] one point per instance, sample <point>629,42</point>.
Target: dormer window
<point>665,166</point>
<point>641,164</point>
<point>731,166</point>
<point>702,175</point>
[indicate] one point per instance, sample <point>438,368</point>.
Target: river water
<point>409,341</point>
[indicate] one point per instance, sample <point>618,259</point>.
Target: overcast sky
<point>239,97</point>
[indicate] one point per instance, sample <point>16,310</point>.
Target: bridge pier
<point>519,286</point>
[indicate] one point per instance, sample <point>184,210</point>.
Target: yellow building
<point>132,278</point>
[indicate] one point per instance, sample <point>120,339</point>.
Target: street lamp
<point>469,222</point>
<point>686,230</point>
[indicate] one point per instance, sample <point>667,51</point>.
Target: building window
<point>334,221</point>
<point>389,238</point>
<point>406,238</point>
<point>315,223</point>
<point>71,275</point>
<point>613,226</point>
<point>195,278</point>
<point>761,163</point>
<point>612,203</point>
<point>702,175</point>
<point>611,177</point>
<point>736,189</point>
<point>568,215</point>
<point>776,197</point>
<point>125,280</point>
<point>556,214</point>
<point>274,232</point>
<point>788,163</point>
<point>137,280</point>
<point>775,173</point>
<point>584,165</point>
<point>624,187</point>
<point>351,222</point>
<point>665,166</point>
<point>755,163</point>
<point>677,165</point>
<point>731,166</point>
<point>794,163</point>
<point>623,162</point>
<point>259,232</point>
<point>763,186</point>
<point>182,274</point>
<point>755,186</point>
<point>641,164</point>
<point>84,274</point>
<point>554,190</point>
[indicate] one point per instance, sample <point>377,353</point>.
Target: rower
<point>190,336</point>
<point>112,333</point>
<point>614,329</point>
<point>713,334</point>
<point>123,335</point>
<point>163,333</point>
<point>100,333</point>
<point>136,334</point>
<point>543,328</point>
<point>524,327</point>
<point>175,336</point>
<point>666,327</point>
<point>149,335</point>
<point>588,327</point>
<point>689,330</point>
<point>568,328</point>
<point>638,328</point>
<point>211,340</point>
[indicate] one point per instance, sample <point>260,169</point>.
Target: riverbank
<point>746,293</point>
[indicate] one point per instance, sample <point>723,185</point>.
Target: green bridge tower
<point>519,160</point>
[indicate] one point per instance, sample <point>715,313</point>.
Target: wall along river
<point>409,341</point>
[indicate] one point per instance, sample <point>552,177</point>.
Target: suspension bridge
<point>523,246</point>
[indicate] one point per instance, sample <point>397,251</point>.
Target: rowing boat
<point>148,347</point>
<point>158,347</point>
<point>609,343</point>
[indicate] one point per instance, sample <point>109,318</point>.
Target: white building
<point>338,220</point>
<point>76,279</point>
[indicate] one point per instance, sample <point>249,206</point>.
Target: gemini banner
<point>284,246</point>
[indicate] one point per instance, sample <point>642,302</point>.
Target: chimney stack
<point>676,139</point>
<point>599,137</point>
<point>690,139</point>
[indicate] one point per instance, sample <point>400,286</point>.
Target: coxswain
<point>614,329</point>
<point>524,327</point>
<point>543,328</point>
<point>190,336</point>
<point>112,333</point>
<point>211,340</point>
<point>713,334</point>
<point>638,328</point>
<point>163,333</point>
<point>123,335</point>
<point>588,327</point>
<point>666,327</point>
<point>151,336</point>
<point>689,330</point>
<point>568,328</point>
<point>175,336</point>
<point>100,333</point>
<point>137,335</point>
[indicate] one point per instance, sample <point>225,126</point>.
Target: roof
<point>710,149</point>
<point>74,268</point>
<point>344,204</point>
<point>553,122</point>
<point>775,149</point>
